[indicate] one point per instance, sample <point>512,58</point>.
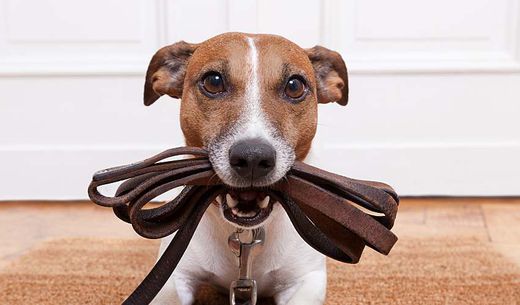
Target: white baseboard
<point>433,169</point>
<point>61,173</point>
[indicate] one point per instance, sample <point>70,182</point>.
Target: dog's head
<point>251,101</point>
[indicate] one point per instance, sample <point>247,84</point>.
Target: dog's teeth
<point>264,203</point>
<point>245,214</point>
<point>235,211</point>
<point>219,199</point>
<point>230,201</point>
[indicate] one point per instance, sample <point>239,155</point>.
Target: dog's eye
<point>295,88</point>
<point>213,83</point>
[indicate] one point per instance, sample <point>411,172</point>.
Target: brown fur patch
<point>279,59</point>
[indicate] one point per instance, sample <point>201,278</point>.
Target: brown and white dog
<point>251,101</point>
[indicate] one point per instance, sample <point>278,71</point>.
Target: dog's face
<point>251,101</point>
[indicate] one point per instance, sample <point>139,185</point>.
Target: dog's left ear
<point>166,71</point>
<point>331,75</point>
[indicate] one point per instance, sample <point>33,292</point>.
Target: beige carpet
<point>101,271</point>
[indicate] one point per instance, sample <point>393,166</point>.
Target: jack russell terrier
<point>251,101</point>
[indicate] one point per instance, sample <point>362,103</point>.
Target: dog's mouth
<point>246,207</point>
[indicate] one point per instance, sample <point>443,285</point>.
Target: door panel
<point>434,87</point>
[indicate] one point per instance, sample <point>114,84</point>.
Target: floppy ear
<point>166,71</point>
<point>331,75</point>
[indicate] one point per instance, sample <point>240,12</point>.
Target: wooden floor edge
<point>404,199</point>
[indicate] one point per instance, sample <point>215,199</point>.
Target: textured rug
<point>425,271</point>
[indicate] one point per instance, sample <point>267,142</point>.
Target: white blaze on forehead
<point>254,117</point>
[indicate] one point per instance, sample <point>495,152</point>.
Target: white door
<point>435,88</point>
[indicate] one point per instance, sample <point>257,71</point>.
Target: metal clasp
<point>244,289</point>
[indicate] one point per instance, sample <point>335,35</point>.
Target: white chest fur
<point>282,259</point>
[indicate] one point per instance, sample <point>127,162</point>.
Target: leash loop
<point>321,206</point>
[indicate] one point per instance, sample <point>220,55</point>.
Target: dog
<point>251,101</point>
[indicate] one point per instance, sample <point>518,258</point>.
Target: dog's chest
<point>283,258</point>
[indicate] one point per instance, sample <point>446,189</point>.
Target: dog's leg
<point>309,290</point>
<point>179,289</point>
<point>176,291</point>
<point>168,294</point>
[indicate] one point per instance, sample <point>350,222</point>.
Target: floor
<point>496,221</point>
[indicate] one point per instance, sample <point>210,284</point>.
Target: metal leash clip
<point>244,289</point>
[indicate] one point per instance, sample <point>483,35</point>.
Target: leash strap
<point>321,206</point>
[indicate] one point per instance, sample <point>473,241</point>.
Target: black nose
<point>252,158</point>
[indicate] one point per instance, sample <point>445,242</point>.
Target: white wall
<point>435,88</point>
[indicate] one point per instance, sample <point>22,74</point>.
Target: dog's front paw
<point>308,290</point>
<point>175,292</point>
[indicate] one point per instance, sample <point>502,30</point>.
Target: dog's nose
<point>252,158</point>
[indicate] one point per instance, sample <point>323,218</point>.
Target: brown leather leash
<point>318,203</point>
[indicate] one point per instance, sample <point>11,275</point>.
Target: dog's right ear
<point>166,71</point>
